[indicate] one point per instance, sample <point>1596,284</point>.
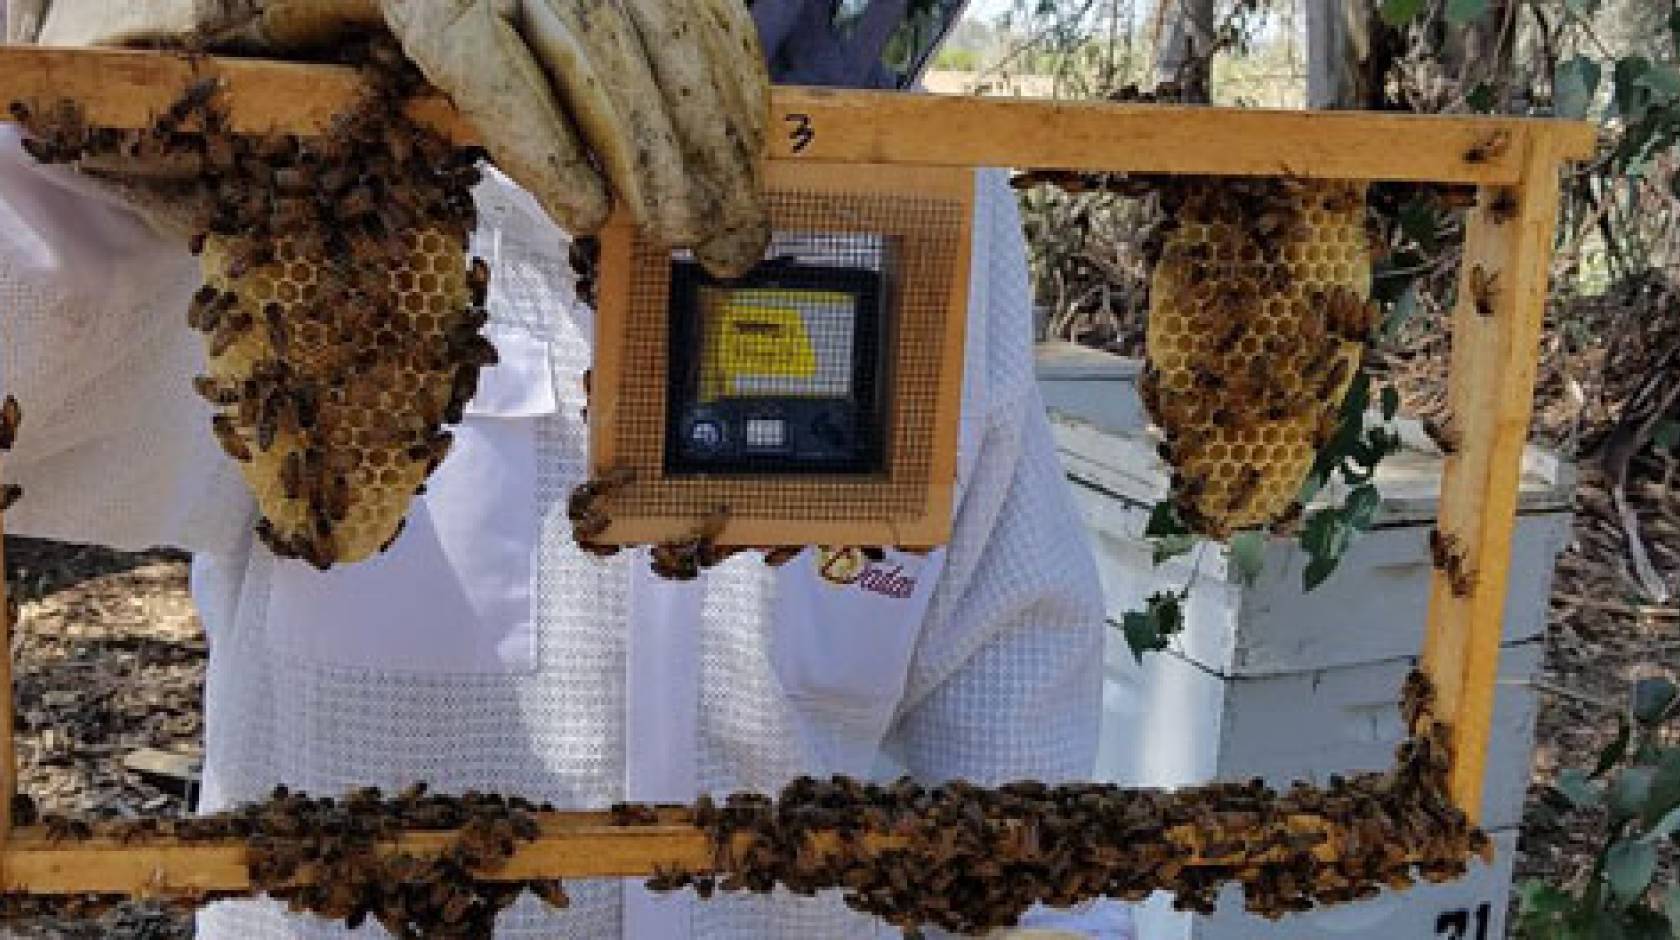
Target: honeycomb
<point>332,383</point>
<point>1259,312</point>
<point>340,314</point>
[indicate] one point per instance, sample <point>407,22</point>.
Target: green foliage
<point>1353,452</point>
<point>1635,788</point>
<point>1151,629</point>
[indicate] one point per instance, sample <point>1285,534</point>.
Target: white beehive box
<point>1268,681</point>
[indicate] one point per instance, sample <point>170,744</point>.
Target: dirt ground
<point>111,663</point>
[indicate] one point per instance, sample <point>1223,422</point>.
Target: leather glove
<point>662,102</point>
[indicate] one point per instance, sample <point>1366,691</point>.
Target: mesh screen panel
<point>866,340</point>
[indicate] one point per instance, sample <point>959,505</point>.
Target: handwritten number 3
<point>802,132</point>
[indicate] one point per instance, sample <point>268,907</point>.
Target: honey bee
<point>11,418</point>
<point>1484,289</point>
<point>683,560</point>
<point>228,331</point>
<point>1328,424</point>
<point>1289,521</point>
<point>227,436</point>
<point>65,828</point>
<point>1444,433</point>
<point>1243,492</point>
<point>478,281</point>
<point>1207,380</point>
<point>205,310</point>
<point>1333,379</point>
<point>633,814</point>
<point>1503,208</point>
<point>274,319</point>
<point>1447,555</point>
<point>214,392</point>
<point>1342,198</point>
<point>584,507</point>
<point>552,893</point>
<point>1493,147</point>
<point>1228,339</point>
<point>1188,487</point>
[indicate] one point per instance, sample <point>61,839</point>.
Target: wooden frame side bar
<point>1501,302</point>
<point>120,88</point>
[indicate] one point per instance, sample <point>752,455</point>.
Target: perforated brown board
<point>924,215</point>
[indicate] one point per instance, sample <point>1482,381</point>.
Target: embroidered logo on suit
<point>844,567</point>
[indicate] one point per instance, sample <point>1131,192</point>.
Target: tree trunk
<point>1183,55</point>
<point>1338,45</point>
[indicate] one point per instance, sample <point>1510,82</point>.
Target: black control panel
<point>778,372</point>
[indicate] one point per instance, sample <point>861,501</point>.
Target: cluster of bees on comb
<point>1260,311</point>
<point>955,856</point>
<point>341,317</point>
<point>345,846</point>
<point>968,859</point>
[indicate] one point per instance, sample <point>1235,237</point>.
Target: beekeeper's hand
<point>666,99</point>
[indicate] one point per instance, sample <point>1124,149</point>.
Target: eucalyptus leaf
<point>1663,794</point>
<point>1671,903</point>
<point>1248,555</point>
<point>1573,86</point>
<point>1666,435</point>
<point>1400,12</point>
<point>1613,752</point>
<point>1630,96</point>
<point>1361,507</point>
<point>1628,868</point>
<point>1461,12</point>
<point>1164,520</point>
<point>1141,634</point>
<point>1662,80</point>
<point>1167,547</point>
<point>1390,402</point>
<point>1318,535</point>
<point>1538,899</point>
<point>1577,788</point>
<point>1664,827</point>
<point>1404,306</point>
<point>1630,792</point>
<point>1317,570</point>
<point>1653,699</point>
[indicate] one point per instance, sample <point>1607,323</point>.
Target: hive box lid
<point>1105,442</point>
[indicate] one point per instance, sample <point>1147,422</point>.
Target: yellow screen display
<point>776,342</point>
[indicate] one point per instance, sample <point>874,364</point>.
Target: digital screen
<point>781,371</point>
<point>776,342</point>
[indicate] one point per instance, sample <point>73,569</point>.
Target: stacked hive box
<point>1272,682</point>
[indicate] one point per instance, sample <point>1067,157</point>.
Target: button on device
<point>706,435</point>
<point>766,433</point>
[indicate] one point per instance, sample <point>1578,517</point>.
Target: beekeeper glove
<point>661,102</point>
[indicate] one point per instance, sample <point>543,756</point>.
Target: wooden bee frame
<point>1513,163</point>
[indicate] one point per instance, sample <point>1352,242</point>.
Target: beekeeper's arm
<point>1006,680</point>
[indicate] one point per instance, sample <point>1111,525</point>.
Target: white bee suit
<point>485,651</point>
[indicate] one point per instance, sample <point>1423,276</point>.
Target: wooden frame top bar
<point>122,88</point>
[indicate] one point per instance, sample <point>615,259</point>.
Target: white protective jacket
<point>485,651</point>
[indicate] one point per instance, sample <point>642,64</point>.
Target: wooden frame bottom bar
<point>579,845</point>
